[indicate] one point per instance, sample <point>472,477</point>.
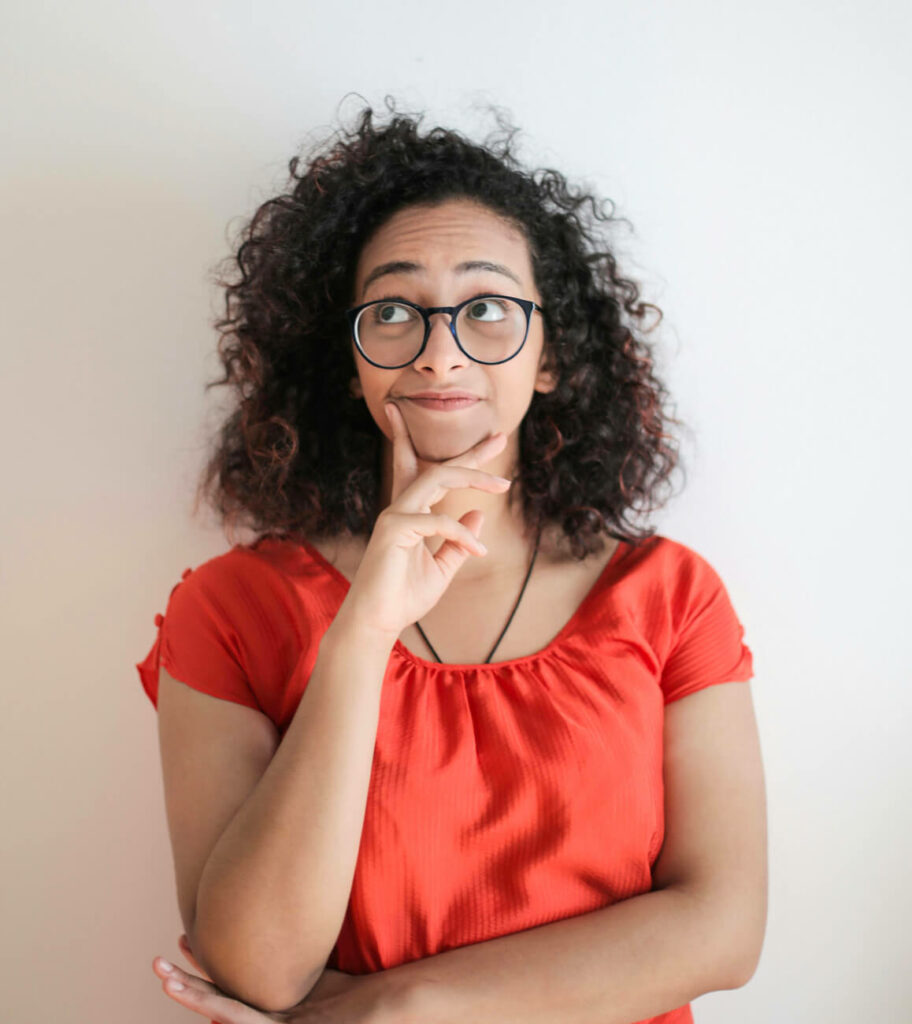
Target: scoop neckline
<point>566,630</point>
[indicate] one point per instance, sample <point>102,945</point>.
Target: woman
<point>373,819</point>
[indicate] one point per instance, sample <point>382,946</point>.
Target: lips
<point>443,396</point>
<point>443,405</point>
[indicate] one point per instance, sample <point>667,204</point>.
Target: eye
<point>391,313</point>
<point>486,305</point>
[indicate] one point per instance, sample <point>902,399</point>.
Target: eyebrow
<point>408,267</point>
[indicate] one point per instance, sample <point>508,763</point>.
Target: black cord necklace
<point>494,648</point>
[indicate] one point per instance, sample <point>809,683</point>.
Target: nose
<point>441,351</point>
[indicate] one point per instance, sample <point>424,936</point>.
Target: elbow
<point>255,977</point>
<point>276,999</point>
<point>743,970</point>
<point>263,990</point>
<point>280,997</point>
<point>734,932</point>
<point>751,936</point>
<point>743,956</point>
<point>739,978</point>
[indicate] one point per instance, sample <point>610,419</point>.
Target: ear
<point>354,387</point>
<point>547,377</point>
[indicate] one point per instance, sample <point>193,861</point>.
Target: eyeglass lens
<point>489,329</point>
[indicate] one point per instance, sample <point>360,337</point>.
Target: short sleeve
<point>709,647</point>
<point>197,643</point>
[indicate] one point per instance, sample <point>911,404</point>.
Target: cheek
<point>511,397</point>
<point>374,385</point>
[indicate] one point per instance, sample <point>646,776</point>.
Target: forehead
<point>443,235</point>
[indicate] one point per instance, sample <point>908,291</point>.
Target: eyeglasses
<point>490,329</point>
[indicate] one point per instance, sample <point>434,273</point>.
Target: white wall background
<point>762,153</point>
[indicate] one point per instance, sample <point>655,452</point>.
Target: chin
<point>439,450</point>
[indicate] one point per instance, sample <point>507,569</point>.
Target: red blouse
<point>502,796</point>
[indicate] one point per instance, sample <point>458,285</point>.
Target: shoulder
<point>681,573</point>
<point>237,624</point>
<point>240,571</point>
<point>239,595</point>
<point>693,584</point>
<point>658,572</point>
<point>666,552</point>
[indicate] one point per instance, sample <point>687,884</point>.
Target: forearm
<point>273,893</point>
<point>619,964</point>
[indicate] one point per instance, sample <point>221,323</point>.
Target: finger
<point>170,973</point>
<point>405,461</point>
<point>430,487</point>
<point>430,524</point>
<point>452,553</point>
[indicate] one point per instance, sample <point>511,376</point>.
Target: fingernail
<point>175,985</point>
<point>165,966</point>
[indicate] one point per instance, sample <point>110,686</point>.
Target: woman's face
<point>437,239</point>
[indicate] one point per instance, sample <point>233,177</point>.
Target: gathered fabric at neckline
<point>566,632</point>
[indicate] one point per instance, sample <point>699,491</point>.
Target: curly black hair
<point>298,458</point>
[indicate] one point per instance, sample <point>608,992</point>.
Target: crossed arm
<point>699,930</point>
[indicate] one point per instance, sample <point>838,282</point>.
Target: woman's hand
<point>337,998</point>
<point>398,579</point>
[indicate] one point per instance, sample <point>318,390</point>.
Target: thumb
<point>404,459</point>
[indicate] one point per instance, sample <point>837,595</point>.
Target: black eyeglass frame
<point>528,306</point>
